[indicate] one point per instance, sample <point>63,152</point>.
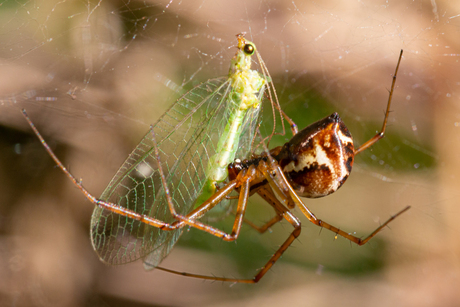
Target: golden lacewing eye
<point>249,49</point>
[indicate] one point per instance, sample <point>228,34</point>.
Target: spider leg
<point>281,210</point>
<point>285,213</point>
<point>380,134</point>
<point>263,228</point>
<point>103,204</point>
<point>312,218</point>
<point>295,233</point>
<point>191,219</point>
<point>281,186</point>
<point>267,194</point>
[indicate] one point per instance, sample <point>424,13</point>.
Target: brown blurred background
<point>94,75</point>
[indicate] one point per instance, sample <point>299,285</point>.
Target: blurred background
<point>93,76</point>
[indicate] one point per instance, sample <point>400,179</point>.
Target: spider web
<point>93,76</point>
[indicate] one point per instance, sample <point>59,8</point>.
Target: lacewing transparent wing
<point>188,135</point>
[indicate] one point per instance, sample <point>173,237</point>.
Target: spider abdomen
<point>318,160</point>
